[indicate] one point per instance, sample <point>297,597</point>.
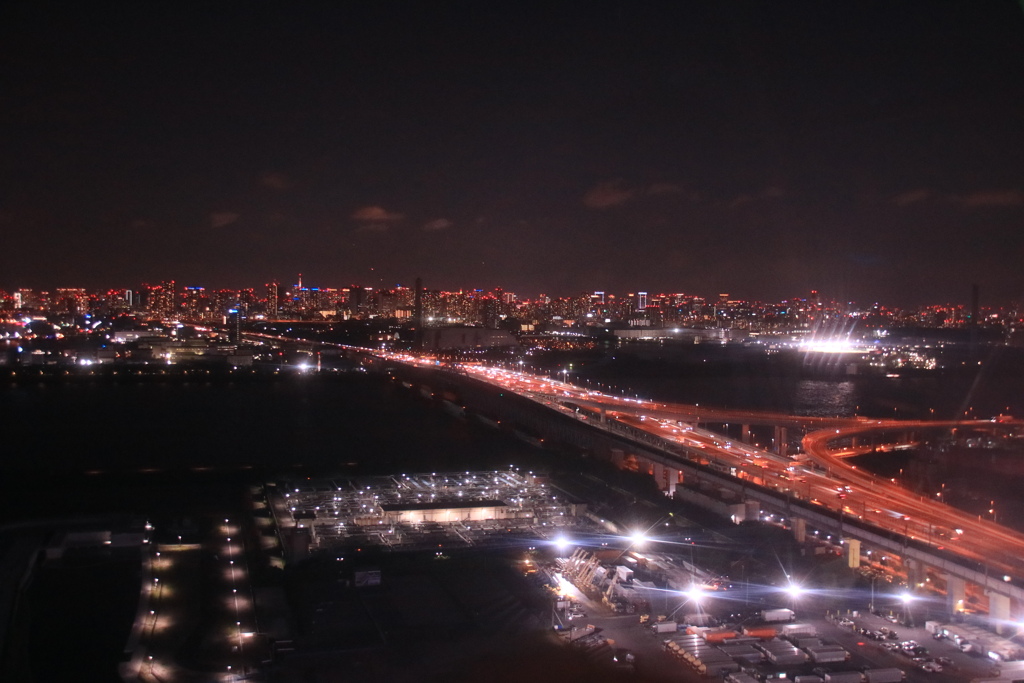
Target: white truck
<point>770,616</point>
<point>666,627</point>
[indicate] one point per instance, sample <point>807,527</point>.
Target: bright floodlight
<point>906,597</point>
<point>795,590</point>
<point>694,593</point>
<point>561,543</point>
<point>637,537</point>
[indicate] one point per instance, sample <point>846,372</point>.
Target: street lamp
<point>561,543</point>
<point>907,598</point>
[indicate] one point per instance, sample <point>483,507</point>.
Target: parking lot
<point>873,642</point>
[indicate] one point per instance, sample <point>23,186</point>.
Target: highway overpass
<point>938,545</point>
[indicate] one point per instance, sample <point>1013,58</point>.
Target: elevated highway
<point>817,488</point>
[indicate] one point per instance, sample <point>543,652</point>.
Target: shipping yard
<point>622,601</point>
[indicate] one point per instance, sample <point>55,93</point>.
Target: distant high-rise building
<point>272,305</point>
<point>641,301</point>
<point>233,320</point>
<point>25,298</point>
<point>71,300</point>
<point>160,301</point>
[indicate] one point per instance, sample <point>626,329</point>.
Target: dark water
<point>987,383</point>
<point>99,446</point>
<point>88,445</point>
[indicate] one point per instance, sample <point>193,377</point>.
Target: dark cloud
<point>372,227</point>
<point>607,194</point>
<point>992,198</point>
<point>375,214</point>
<point>911,197</point>
<point>770,192</point>
<point>221,219</point>
<point>664,188</point>
<point>275,181</point>
<point>437,224</point>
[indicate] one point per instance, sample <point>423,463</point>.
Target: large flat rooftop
<point>427,510</point>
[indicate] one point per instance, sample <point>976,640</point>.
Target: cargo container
<point>888,675</point>
<point>746,654</point>
<point>805,642</point>
<point>666,627</point>
<point>844,677</point>
<point>798,630</point>
<point>827,654</point>
<point>716,667</point>
<point>782,654</point>
<point>763,632</point>
<point>719,636</point>
<point>697,619</point>
<point>740,677</point>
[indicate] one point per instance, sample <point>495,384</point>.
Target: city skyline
<point>867,150</point>
<point>496,307</point>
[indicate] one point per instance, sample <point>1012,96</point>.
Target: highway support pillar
<point>956,593</point>
<point>745,434</point>
<point>852,552</point>
<point>671,481</point>
<point>604,416</point>
<point>799,529</point>
<point>659,474</point>
<point>781,440</point>
<point>999,611</point>
<point>914,571</point>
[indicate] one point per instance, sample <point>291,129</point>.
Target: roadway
<point>825,478</point>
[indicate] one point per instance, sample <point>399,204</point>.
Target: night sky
<point>871,150</point>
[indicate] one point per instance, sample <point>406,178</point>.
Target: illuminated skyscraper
<point>272,305</point>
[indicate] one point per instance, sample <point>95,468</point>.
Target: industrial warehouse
<point>423,511</point>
